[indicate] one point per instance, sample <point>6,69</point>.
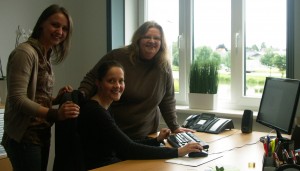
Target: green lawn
<point>254,80</point>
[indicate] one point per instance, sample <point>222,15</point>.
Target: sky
<point>212,21</point>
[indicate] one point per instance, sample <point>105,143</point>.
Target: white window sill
<point>226,113</point>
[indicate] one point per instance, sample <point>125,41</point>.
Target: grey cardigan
<point>22,71</point>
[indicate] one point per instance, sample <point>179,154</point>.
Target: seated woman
<point>102,140</point>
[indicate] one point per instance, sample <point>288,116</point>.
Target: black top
<point>103,141</point>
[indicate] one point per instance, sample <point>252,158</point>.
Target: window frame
<point>237,100</point>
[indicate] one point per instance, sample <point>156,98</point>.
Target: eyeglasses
<point>155,38</point>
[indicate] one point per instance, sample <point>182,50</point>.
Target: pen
<point>269,149</point>
<point>266,149</point>
<point>277,146</point>
<point>294,157</point>
<point>286,155</point>
<point>272,146</point>
<point>275,156</point>
<point>268,139</point>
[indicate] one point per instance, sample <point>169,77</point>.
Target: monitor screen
<point>278,104</point>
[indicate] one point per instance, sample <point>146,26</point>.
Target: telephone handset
<point>207,122</point>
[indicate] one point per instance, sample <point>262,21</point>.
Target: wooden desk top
<point>238,151</point>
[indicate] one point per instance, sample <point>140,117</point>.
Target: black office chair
<point>68,151</point>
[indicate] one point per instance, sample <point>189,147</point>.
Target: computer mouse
<point>199,154</point>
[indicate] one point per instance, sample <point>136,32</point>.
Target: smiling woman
<point>150,43</point>
<point>96,122</point>
<point>29,112</point>
<point>149,89</point>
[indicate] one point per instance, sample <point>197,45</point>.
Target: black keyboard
<point>180,139</point>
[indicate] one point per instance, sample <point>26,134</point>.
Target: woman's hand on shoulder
<point>60,94</point>
<point>65,89</point>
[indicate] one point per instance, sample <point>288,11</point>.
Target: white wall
<point>88,40</point>
<point>88,43</point>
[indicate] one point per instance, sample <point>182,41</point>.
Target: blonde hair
<point>134,49</point>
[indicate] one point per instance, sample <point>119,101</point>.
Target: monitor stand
<point>279,136</point>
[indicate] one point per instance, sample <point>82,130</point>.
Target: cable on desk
<point>223,137</point>
<point>235,148</point>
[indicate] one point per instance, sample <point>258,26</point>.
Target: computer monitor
<point>278,105</point>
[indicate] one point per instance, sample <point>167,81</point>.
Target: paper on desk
<point>188,161</point>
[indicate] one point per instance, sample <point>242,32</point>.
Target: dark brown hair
<point>61,50</point>
<point>105,66</point>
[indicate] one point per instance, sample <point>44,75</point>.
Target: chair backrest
<point>68,149</point>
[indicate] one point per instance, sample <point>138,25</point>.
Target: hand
<point>163,134</point>
<point>181,129</point>
<point>188,148</point>
<point>68,110</point>
<point>65,89</point>
<point>61,92</point>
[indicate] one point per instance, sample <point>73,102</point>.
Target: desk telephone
<point>207,122</point>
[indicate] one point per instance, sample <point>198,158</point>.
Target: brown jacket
<point>22,70</point>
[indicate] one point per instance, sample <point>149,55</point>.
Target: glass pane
<point>265,43</point>
<point>166,13</point>
<point>212,30</point>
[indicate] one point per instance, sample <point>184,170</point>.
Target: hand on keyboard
<point>181,129</point>
<point>189,148</point>
<point>184,138</point>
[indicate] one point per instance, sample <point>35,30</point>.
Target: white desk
<point>238,150</point>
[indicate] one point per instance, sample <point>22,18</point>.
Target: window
<point>265,47</point>
<point>169,20</point>
<point>249,37</point>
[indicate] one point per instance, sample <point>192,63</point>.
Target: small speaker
<point>247,121</point>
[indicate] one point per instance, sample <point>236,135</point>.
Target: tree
<point>216,57</point>
<point>263,46</point>
<point>205,53</point>
<point>227,59</point>
<point>255,48</point>
<point>267,59</point>
<point>280,63</point>
<point>202,53</point>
